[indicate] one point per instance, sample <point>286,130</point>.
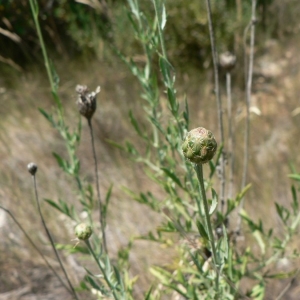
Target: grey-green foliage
<point>196,276</point>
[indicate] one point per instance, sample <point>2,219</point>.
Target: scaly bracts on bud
<point>83,231</point>
<point>86,101</point>
<point>199,146</point>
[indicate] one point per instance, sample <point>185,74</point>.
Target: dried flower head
<point>227,61</point>
<point>86,101</point>
<point>32,168</point>
<point>83,231</point>
<point>199,145</point>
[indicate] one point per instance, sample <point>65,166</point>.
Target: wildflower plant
<point>217,267</point>
<point>210,265</point>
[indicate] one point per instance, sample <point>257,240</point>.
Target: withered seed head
<point>227,61</point>
<point>86,101</point>
<point>32,168</point>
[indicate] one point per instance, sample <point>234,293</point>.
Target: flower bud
<point>83,231</point>
<point>227,61</point>
<point>32,168</point>
<point>86,101</point>
<point>199,145</point>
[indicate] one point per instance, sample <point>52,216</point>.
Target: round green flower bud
<point>199,145</point>
<point>83,231</point>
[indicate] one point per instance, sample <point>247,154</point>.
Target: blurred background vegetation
<point>83,28</point>
<point>80,36</point>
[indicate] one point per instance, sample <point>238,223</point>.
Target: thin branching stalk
<point>51,239</point>
<point>288,286</point>
<point>248,93</point>
<point>199,171</point>
<point>35,13</point>
<point>106,278</point>
<point>248,100</point>
<point>218,100</point>
<point>35,247</point>
<point>230,135</point>
<point>160,33</point>
<point>101,211</point>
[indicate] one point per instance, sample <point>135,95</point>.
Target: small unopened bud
<point>32,168</point>
<point>86,101</point>
<point>199,146</point>
<point>227,61</point>
<point>83,231</point>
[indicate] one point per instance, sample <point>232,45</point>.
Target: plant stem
<point>161,38</point>
<point>36,248</point>
<point>248,93</point>
<point>248,100</point>
<point>230,135</point>
<point>51,239</point>
<point>102,215</point>
<point>112,288</point>
<point>218,100</point>
<point>35,13</point>
<point>199,171</point>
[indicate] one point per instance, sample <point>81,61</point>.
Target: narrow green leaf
<point>202,231</point>
<point>163,275</point>
<point>108,194</point>
<point>60,161</point>
<point>148,295</point>
<point>214,203</point>
<point>93,283</point>
<point>241,195</point>
<point>172,100</point>
<point>295,204</point>
<point>165,70</point>
<point>135,125</point>
<point>258,291</point>
<point>186,113</point>
<point>115,144</point>
<point>172,175</point>
<point>134,8</point>
<point>57,100</point>
<point>48,117</point>
<point>294,176</point>
<point>157,125</point>
<point>131,149</point>
<point>224,247</point>
<point>133,23</point>
<point>54,204</point>
<point>118,276</point>
<point>72,249</point>
<point>213,165</point>
<point>163,17</point>
<point>296,222</point>
<point>250,223</point>
<point>283,213</point>
<point>260,241</point>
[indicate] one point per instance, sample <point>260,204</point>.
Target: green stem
<point>102,214</point>
<point>218,99</point>
<point>199,171</point>
<point>35,13</point>
<point>161,38</point>
<point>112,288</point>
<point>36,248</point>
<point>51,239</point>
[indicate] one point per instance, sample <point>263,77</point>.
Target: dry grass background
<point>26,136</point>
